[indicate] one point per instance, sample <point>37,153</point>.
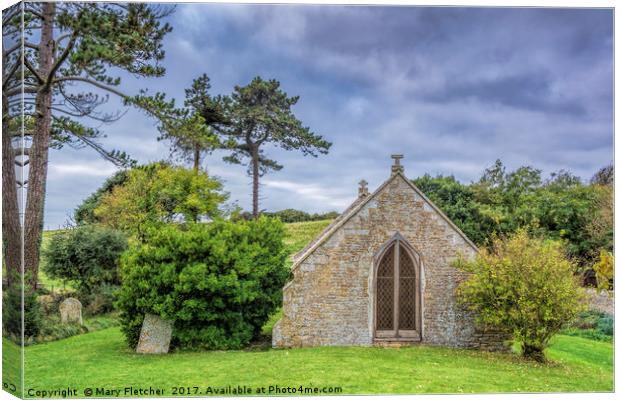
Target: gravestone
<point>71,311</point>
<point>155,335</point>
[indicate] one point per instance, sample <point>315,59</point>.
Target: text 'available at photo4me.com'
<point>150,391</point>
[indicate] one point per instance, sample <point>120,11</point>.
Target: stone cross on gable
<point>396,167</point>
<point>363,188</point>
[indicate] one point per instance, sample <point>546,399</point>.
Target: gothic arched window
<point>397,296</point>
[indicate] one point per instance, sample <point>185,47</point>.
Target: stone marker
<point>70,311</point>
<point>155,335</point>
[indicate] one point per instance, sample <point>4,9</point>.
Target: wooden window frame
<point>396,334</point>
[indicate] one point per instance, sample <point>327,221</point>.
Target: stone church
<point>379,274</point>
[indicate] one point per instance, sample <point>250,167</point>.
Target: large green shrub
<point>219,281</point>
<point>87,256</point>
<point>524,286</point>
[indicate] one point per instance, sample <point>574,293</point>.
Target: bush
<point>88,256</point>
<point>50,301</point>
<point>524,286</point>
<point>12,314</point>
<point>291,215</point>
<point>606,325</point>
<point>604,270</point>
<point>101,300</point>
<point>593,325</point>
<point>54,329</point>
<point>158,193</point>
<point>85,212</point>
<point>219,282</point>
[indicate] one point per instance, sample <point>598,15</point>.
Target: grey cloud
<point>527,91</point>
<point>452,88</point>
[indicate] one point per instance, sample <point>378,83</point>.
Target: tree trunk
<point>534,353</point>
<point>196,158</point>
<point>255,176</point>
<point>39,151</point>
<point>11,227</point>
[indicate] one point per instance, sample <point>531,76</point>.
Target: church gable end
<point>332,298</point>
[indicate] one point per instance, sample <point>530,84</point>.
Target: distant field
<point>299,234</point>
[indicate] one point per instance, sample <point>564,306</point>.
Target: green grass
<point>11,367</point>
<point>53,329</point>
<point>299,234</point>
<point>268,327</point>
<point>101,359</point>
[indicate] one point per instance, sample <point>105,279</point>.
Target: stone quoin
<point>381,274</point>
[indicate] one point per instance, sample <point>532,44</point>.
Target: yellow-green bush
<point>525,286</point>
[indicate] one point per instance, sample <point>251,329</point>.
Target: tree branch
<point>6,79</point>
<point>22,151</point>
<point>9,17</point>
<point>18,90</point>
<point>63,37</point>
<point>18,46</point>
<point>33,70</point>
<point>33,12</point>
<point>81,114</point>
<point>263,138</point>
<point>61,59</point>
<point>92,82</point>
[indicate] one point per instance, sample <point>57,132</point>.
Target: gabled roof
<point>356,206</point>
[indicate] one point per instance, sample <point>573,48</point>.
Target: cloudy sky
<point>453,89</point>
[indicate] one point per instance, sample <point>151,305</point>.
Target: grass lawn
<point>299,234</point>
<point>101,359</point>
<point>11,367</point>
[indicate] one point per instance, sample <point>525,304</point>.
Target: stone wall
<point>330,299</point>
<point>603,301</point>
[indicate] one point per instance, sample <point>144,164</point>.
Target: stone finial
<point>396,167</point>
<point>362,191</point>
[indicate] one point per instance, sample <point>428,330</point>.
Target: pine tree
<point>260,113</point>
<point>193,134</point>
<point>68,53</point>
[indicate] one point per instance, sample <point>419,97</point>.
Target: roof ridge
<point>357,205</point>
<point>326,233</point>
<point>327,228</point>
